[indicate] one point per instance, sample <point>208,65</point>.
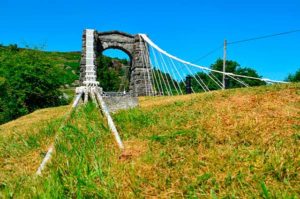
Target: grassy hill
<point>239,143</point>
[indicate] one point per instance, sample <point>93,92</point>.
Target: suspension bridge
<point>153,72</point>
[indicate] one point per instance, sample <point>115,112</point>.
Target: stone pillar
<point>140,78</point>
<point>88,66</point>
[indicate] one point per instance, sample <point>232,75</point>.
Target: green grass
<point>79,166</point>
<point>241,143</point>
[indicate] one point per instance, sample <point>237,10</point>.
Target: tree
<point>251,73</point>
<point>28,81</point>
<point>112,73</point>
<point>294,77</point>
<point>234,67</point>
<point>4,108</point>
<point>210,78</point>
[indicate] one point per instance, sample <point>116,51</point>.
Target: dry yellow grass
<point>150,102</point>
<point>24,141</point>
<point>31,121</point>
<point>245,137</point>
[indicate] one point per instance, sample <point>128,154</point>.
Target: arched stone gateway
<point>133,45</point>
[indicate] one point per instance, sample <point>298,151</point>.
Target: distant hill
<point>31,79</point>
<point>238,143</point>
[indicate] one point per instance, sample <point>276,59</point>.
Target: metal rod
<point>52,147</point>
<point>109,120</point>
<point>76,101</point>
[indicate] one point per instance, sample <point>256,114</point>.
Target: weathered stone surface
<point>134,47</point>
<point>115,103</point>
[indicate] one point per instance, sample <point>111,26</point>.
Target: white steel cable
<point>109,119</point>
<point>193,89</point>
<point>160,72</point>
<point>156,63</point>
<point>173,76</point>
<point>172,64</point>
<point>165,75</point>
<point>240,81</point>
<point>182,79</point>
<point>144,63</point>
<point>145,37</point>
<point>168,72</point>
<point>203,87</point>
<point>148,68</point>
<point>155,80</point>
<point>215,79</point>
<point>52,147</point>
<point>197,75</point>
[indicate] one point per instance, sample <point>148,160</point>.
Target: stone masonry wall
<point>140,78</point>
<point>115,103</point>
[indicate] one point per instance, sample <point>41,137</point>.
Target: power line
<point>264,37</point>
<point>245,40</point>
<point>207,54</point>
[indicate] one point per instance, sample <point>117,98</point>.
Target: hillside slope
<point>240,143</point>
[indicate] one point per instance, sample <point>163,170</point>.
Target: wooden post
<point>224,64</point>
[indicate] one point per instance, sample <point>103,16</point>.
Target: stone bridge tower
<point>133,45</point>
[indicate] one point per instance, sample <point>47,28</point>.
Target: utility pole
<point>224,63</point>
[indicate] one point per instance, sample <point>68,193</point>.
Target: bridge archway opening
<point>133,45</point>
<point>113,71</point>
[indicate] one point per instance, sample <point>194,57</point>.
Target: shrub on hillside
<point>294,77</point>
<point>28,81</point>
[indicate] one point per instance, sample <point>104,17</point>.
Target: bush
<point>294,77</point>
<point>28,81</point>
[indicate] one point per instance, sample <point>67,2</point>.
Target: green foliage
<point>4,108</point>
<point>231,67</point>
<point>13,48</point>
<point>265,192</point>
<point>32,79</point>
<point>251,73</point>
<point>294,77</point>
<point>28,80</point>
<point>112,73</point>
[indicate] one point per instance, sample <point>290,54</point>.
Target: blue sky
<point>187,29</point>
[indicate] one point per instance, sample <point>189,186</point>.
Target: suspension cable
<point>202,67</point>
